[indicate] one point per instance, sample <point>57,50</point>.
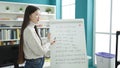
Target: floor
<point>46,65</point>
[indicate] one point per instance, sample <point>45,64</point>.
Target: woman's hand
<point>52,42</point>
<point>49,39</point>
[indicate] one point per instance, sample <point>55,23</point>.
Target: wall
<point>90,17</point>
<point>84,9</point>
<point>52,2</point>
<point>30,1</point>
<point>59,9</point>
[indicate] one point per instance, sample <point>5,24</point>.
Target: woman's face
<point>35,17</point>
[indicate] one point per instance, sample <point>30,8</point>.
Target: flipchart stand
<point>116,57</point>
<point>69,50</point>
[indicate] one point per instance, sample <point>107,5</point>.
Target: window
<point>68,9</point>
<point>115,26</point>
<point>107,22</point>
<point>102,32</point>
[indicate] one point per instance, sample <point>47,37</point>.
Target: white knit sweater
<point>32,45</point>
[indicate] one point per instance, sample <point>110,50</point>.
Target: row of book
<point>12,36</point>
<point>43,32</point>
<point>7,34</point>
<point>4,25</point>
<point>11,42</point>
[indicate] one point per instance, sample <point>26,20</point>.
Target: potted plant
<point>7,8</point>
<point>48,10</point>
<point>21,9</point>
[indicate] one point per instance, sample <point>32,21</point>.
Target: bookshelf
<point>11,17</point>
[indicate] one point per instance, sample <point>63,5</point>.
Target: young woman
<point>30,41</point>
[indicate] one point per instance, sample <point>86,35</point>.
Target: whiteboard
<point>69,51</point>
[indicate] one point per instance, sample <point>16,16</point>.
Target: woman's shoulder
<point>28,29</point>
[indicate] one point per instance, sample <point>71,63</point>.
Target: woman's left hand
<point>49,39</point>
<point>52,42</point>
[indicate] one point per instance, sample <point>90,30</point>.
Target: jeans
<point>34,63</point>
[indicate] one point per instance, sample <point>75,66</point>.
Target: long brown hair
<point>28,11</point>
